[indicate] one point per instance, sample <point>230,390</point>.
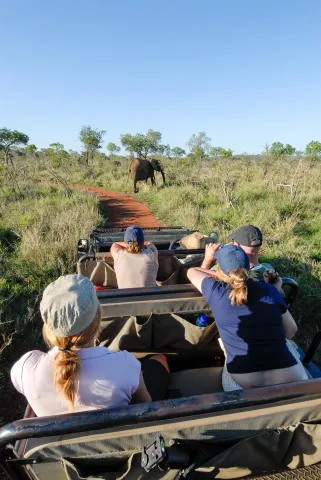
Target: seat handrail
<point>155,411</point>
<point>144,291</point>
<point>161,253</point>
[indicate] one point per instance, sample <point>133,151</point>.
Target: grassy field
<point>280,196</point>
<point>39,227</point>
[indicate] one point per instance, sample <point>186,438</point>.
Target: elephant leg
<point>153,180</point>
<point>135,187</point>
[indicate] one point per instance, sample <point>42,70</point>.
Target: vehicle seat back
<point>100,270</point>
<point>197,381</point>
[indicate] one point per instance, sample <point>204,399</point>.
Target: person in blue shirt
<point>252,319</point>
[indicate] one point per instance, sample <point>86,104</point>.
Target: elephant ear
<point>154,164</point>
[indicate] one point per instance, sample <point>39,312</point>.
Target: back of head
<point>233,268</point>
<point>248,236</point>
<point>72,316</point>
<point>134,238</point>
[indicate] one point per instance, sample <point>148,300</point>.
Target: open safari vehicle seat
<point>201,431</point>
<point>198,431</point>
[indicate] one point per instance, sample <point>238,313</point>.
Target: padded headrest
<point>194,240</point>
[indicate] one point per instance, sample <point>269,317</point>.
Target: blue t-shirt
<point>252,334</point>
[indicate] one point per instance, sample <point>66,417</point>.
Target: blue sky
<point>244,71</point>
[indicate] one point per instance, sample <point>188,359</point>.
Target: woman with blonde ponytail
<point>76,375</point>
<point>252,318</point>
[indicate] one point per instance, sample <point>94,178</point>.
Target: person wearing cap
<point>252,319</point>
<point>250,238</point>
<point>135,261</point>
<point>75,375</point>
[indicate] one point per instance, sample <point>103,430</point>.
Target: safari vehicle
<point>199,431</point>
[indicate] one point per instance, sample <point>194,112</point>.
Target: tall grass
<point>281,196</point>
<point>39,229</point>
<point>39,226</point>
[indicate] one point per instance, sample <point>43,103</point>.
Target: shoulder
<point>267,288</point>
<point>25,364</point>
<point>152,247</point>
<point>258,271</point>
<point>267,266</point>
<point>211,287</point>
<point>115,249</point>
<point>150,252</point>
<point>131,361</point>
<point>271,294</point>
<point>122,358</point>
<point>133,370</point>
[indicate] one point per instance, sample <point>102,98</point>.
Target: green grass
<point>222,195</point>
<point>39,229</point>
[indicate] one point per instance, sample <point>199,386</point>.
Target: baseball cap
<point>69,305</point>
<point>231,257</point>
<point>247,235</point>
<point>134,234</point>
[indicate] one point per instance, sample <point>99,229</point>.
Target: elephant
<point>143,170</point>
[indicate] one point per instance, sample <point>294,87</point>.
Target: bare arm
<point>116,248</point>
<point>289,325</point>
<point>209,258</point>
<point>141,395</point>
<point>197,275</point>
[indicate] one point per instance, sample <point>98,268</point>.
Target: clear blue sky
<point>245,71</point>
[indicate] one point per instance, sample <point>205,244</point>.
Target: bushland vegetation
<point>208,188</point>
<point>39,229</point>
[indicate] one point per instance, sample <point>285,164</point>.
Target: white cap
<point>69,305</point>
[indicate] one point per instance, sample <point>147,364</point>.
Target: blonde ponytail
<point>134,247</point>
<point>67,360</point>
<point>238,280</point>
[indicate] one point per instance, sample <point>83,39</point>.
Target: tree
<point>289,150</point>
<point>313,149</point>
<point>141,144</point>
<point>220,152</point>
<point>178,152</point>
<point>9,139</point>
<point>165,150</point>
<point>199,145</point>
<point>56,154</point>
<point>91,140</point>
<point>277,149</point>
<point>31,149</point>
<point>112,148</point>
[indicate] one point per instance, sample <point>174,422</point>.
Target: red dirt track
<point>121,210</point>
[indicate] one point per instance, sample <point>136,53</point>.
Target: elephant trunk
<point>163,175</point>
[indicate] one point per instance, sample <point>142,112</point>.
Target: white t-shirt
<point>105,379</point>
<point>135,270</point>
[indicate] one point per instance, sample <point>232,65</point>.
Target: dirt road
<point>122,210</point>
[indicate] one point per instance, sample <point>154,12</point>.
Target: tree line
<point>142,145</point>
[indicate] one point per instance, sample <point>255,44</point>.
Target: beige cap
<point>69,305</point>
